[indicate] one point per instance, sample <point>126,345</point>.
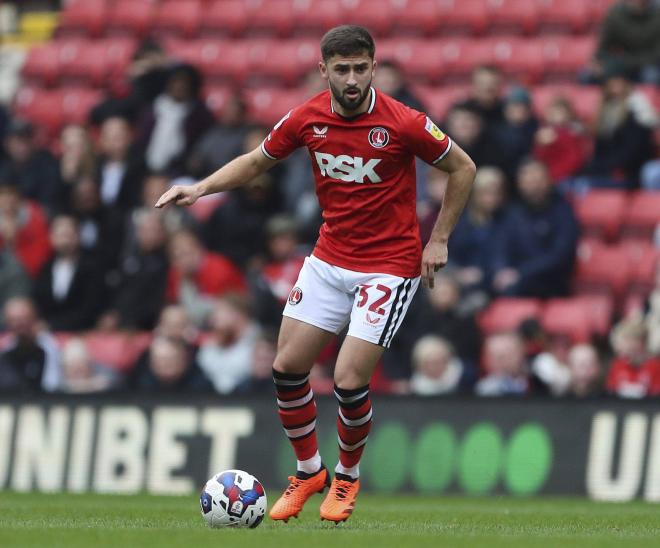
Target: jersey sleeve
<point>423,138</point>
<point>284,137</point>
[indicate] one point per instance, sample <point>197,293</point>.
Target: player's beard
<point>345,102</point>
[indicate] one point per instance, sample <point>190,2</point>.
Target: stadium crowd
<point>195,295</point>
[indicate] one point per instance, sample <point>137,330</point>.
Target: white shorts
<point>329,297</point>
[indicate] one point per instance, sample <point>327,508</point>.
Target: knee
<point>284,363</point>
<point>349,379</point>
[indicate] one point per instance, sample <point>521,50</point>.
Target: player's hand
<point>434,258</point>
<point>179,195</point>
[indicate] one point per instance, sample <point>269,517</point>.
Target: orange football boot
<point>340,500</point>
<point>297,493</point>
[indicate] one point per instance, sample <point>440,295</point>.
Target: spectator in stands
<point>436,368</point>
<point>504,363</point>
<point>33,169</point>
<point>23,226</point>
<point>486,95</point>
<point>174,323</point>
<point>535,248</point>
<point>472,242</point>
<point>148,73</point>
<point>174,218</point>
<point>633,373</point>
<point>236,227</point>
<point>14,281</point>
<point>143,271</point>
<point>438,312</point>
<point>83,375</point>
<point>77,157</point>
<point>226,356</point>
<point>429,208</point>
<point>586,371</point>
<point>101,228</point>
<point>168,367</point>
<point>518,128</point>
<point>197,277</point>
<point>222,142</point>
<point>391,81</point>
<point>469,130</point>
<point>624,134</point>
<point>263,357</point>
<point>175,122</point>
<point>66,290</point>
<point>560,142</point>
<point>121,167</point>
<point>631,35</point>
<point>30,359</point>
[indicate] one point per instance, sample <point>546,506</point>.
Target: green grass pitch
<point>98,521</point>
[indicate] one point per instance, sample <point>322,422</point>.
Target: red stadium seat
<point>314,17</point>
<point>421,60</point>
<point>643,214</point>
<point>221,61</point>
<point>76,104</point>
<point>565,56</point>
<point>512,16</point>
<point>178,17</point>
<point>96,62</point>
<point>418,17</point>
<point>599,9</point>
<point>41,107</point>
<point>462,16</point>
<point>118,350</point>
<point>601,212</point>
<point>376,15</point>
<point>130,17</point>
<point>506,314</point>
<point>40,66</point>
<point>438,100</point>
<point>568,16</point>
<point>270,18</point>
<point>83,18</point>
<point>585,99</point>
<point>602,269</point>
<point>284,62</point>
<point>217,97</point>
<point>568,318</point>
<point>224,18</point>
<point>267,106</point>
<point>644,260</point>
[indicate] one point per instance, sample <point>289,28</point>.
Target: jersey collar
<point>372,105</point>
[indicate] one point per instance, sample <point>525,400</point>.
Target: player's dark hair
<point>347,40</point>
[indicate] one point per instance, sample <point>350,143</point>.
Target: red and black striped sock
<point>353,425</point>
<point>297,410</point>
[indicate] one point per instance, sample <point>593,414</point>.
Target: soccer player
<point>368,261</point>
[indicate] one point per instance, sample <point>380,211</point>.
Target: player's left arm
<point>461,170</point>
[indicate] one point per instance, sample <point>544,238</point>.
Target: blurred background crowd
<point>553,281</point>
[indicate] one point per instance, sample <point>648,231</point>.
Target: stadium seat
<point>267,106</point>
<point>568,318</point>
<point>83,18</point>
<point>601,269</point>
<point>314,17</point>
<point>130,17</point>
<point>565,56</point>
<point>76,104</point>
<point>178,18</point>
<point>462,17</point>
<point>601,213</point>
<point>506,314</point>
<point>270,18</point>
<point>585,99</point>
<point>376,15</point>
<point>285,62</point>
<point>438,100</point>
<point>643,215</point>
<point>564,16</point>
<point>95,62</point>
<point>224,18</point>
<point>512,17</point>
<point>417,17</point>
<point>599,9</point>
<point>42,107</point>
<point>216,98</point>
<point>40,67</point>
<point>422,61</point>
<point>118,350</point>
<point>600,309</point>
<point>644,259</point>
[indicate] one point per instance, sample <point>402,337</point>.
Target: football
<point>233,498</point>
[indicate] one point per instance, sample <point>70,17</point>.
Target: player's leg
<point>315,312</point>
<point>380,305</point>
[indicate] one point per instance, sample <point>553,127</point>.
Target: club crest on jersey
<point>434,130</point>
<point>379,137</point>
<point>320,131</point>
<point>295,296</point>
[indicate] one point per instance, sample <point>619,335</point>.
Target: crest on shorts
<point>295,296</point>
<point>379,137</point>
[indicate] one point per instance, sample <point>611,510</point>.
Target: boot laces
<point>293,485</point>
<point>341,491</point>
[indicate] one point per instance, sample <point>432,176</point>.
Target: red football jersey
<point>365,178</point>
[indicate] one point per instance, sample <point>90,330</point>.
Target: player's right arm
<point>236,173</point>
